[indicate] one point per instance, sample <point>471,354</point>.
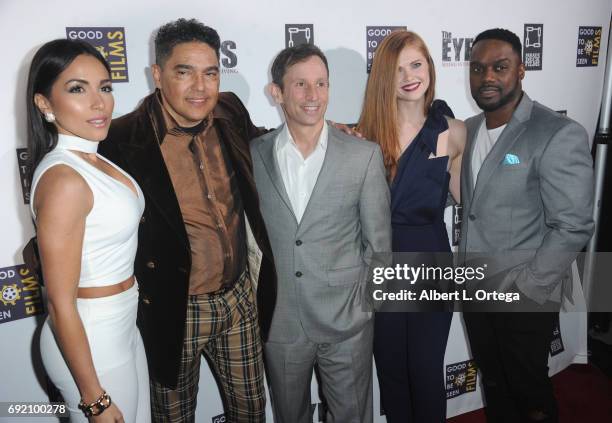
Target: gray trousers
<point>345,369</point>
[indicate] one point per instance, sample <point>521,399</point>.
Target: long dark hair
<point>48,63</point>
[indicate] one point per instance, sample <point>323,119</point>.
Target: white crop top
<point>111,227</point>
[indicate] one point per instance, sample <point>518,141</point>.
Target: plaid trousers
<point>224,327</point>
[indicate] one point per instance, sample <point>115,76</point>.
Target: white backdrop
<point>253,33</point>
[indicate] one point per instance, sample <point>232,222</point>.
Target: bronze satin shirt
<point>207,191</point>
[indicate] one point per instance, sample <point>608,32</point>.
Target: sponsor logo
<point>533,46</point>
<point>22,158</point>
<point>296,34</point>
<point>589,42</point>
<point>374,35</point>
<point>20,294</point>
<point>229,58</point>
<point>461,378</point>
<point>219,419</point>
<point>455,50</point>
<point>457,217</point>
<point>556,345</point>
<point>110,41</point>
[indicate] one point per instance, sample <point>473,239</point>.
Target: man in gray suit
<point>325,203</point>
<point>526,186</point>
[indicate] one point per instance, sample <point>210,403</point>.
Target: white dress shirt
<point>299,174</point>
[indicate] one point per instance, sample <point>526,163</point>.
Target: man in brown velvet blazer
<point>187,146</point>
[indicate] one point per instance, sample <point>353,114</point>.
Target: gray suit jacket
<point>537,212</point>
<point>346,220</point>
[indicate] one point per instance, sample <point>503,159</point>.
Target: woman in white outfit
<point>87,212</point>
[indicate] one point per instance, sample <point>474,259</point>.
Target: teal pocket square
<point>511,159</point>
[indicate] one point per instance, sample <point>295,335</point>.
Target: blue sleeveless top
<point>420,189</point>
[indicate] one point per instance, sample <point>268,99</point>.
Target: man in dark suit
<point>527,193</point>
<point>187,147</point>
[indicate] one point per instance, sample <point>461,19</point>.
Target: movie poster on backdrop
<point>456,50</point>
<point>229,56</point>
<point>533,46</point>
<point>22,160</point>
<point>110,41</point>
<point>298,34</point>
<point>589,44</point>
<point>374,36</point>
<point>20,294</point>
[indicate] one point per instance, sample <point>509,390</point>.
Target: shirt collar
<point>171,125</point>
<point>284,138</point>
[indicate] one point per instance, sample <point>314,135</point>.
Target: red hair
<point>378,121</point>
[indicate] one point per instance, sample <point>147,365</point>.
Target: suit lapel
<point>466,164</point>
<point>333,156</point>
<point>267,152</point>
<point>240,158</point>
<point>505,142</point>
<point>144,161</point>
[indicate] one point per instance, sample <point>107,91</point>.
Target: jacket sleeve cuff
<point>535,289</point>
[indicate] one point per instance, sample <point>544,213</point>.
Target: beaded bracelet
<point>97,407</point>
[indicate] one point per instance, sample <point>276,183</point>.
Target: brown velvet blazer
<point>163,259</point>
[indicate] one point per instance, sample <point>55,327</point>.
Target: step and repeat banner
<point>565,45</point>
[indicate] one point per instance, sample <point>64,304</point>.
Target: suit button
<point>472,217</point>
<point>142,220</point>
<point>151,265</point>
<point>298,242</point>
<point>146,300</point>
<point>298,274</point>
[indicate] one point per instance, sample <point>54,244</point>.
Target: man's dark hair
<point>292,55</point>
<point>183,31</point>
<point>501,35</point>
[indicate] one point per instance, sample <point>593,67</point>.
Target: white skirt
<point>117,352</point>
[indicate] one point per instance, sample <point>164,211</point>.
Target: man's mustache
<point>489,87</point>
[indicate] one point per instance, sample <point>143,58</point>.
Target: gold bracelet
<point>97,407</point>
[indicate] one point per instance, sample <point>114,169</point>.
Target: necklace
<point>71,142</point>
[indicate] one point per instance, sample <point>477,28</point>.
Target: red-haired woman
<point>422,147</point>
